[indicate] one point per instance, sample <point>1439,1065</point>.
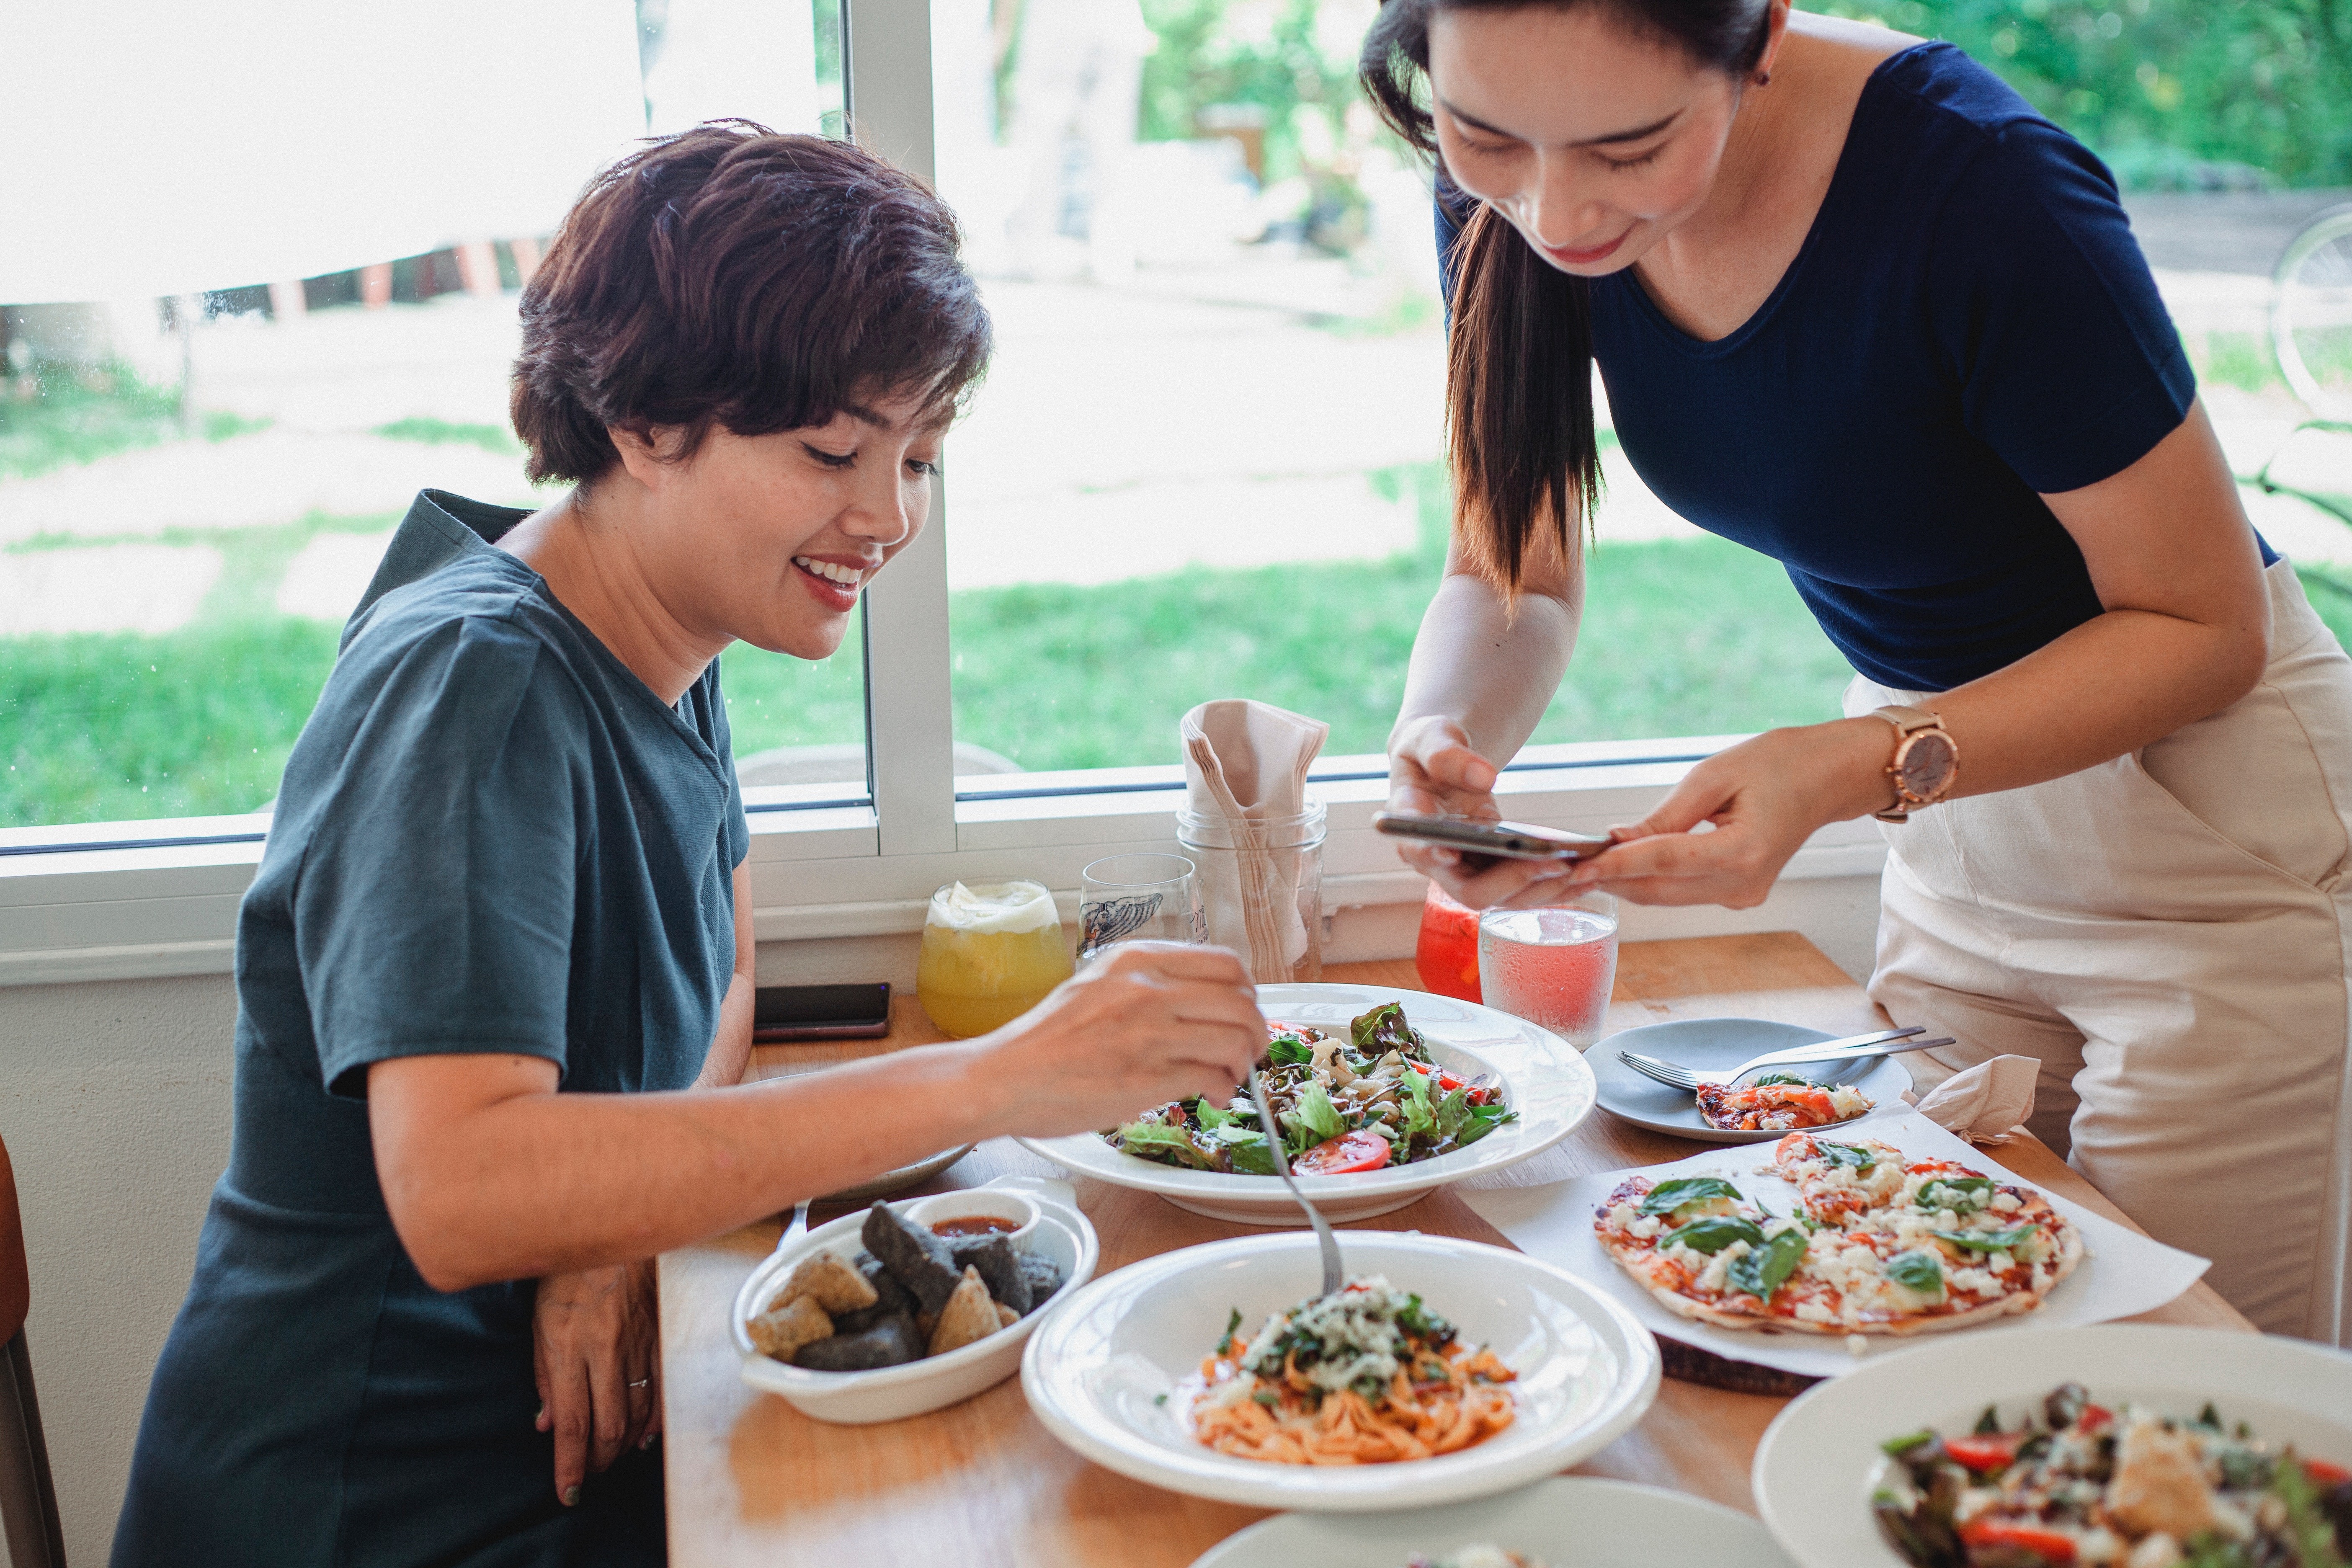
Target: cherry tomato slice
<point>1344,1155</point>
<point>2053,1547</point>
<point>2322,1474</point>
<point>1987,1452</point>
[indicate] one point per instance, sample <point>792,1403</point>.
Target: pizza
<point>1880,1243</point>
<point>1780,1105</point>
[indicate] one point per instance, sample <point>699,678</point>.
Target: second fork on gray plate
<point>1855,1047</point>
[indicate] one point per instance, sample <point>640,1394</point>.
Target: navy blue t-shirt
<point>1969,325</point>
<point>492,837</point>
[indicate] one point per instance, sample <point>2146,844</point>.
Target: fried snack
<point>998,1263</point>
<point>969,1315</point>
<point>782,1331</point>
<point>1044,1276</point>
<point>830,1283</point>
<point>891,1298</point>
<point>891,1342</point>
<point>1005,1316</point>
<point>919,1259</point>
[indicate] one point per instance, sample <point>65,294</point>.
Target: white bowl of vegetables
<point>1403,1092</point>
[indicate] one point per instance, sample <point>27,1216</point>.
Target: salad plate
<point>1107,1373</point>
<point>1545,1083</point>
<point>893,1393</point>
<point>1569,1522</point>
<point>1824,1457</point>
<point>1718,1044</point>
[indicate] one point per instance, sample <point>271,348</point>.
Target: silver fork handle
<point>1801,1054</point>
<point>1827,1051</point>
<point>1333,1275</point>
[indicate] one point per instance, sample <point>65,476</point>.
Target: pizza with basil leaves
<point>1877,1244</point>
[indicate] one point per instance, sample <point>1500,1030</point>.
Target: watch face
<point>1925,768</point>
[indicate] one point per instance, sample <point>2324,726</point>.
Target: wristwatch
<point>1926,761</point>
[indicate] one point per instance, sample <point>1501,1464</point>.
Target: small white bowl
<point>1103,1375</point>
<point>894,1392</point>
<point>987,1202</point>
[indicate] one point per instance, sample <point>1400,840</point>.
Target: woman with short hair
<point>1858,307</point>
<point>495,968</point>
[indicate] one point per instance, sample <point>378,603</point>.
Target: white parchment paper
<point>2122,1274</point>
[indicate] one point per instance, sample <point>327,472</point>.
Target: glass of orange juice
<point>990,952</point>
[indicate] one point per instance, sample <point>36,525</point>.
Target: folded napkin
<point>1985,1102</point>
<point>1245,764</point>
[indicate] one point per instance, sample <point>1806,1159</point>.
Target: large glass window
<point>205,441</point>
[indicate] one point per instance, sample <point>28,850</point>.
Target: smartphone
<point>1489,840</point>
<point>786,1013</point>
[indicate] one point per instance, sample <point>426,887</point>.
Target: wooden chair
<point>28,1503</point>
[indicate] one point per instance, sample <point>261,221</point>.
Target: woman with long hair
<point>1856,305</point>
<point>494,973</point>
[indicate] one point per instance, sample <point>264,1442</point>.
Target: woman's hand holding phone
<point>1433,770</point>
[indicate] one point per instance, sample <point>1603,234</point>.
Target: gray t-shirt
<point>491,837</point>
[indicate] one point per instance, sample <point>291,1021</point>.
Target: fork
<point>1333,1276</point>
<point>1855,1048</point>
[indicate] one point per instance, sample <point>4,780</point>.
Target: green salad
<point>1375,1099</point>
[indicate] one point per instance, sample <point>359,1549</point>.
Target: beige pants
<point>2167,933</point>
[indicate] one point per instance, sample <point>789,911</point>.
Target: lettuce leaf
<point>1245,1149</point>
<point>1383,1029</point>
<point>1420,1118</point>
<point>1168,1145</point>
<point>1315,1115</point>
<point>1210,1118</point>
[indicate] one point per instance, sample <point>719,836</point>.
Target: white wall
<point>114,1101</point>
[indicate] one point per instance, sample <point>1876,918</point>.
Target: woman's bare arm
<point>491,1175</point>
<point>730,1043</point>
<point>2186,633</point>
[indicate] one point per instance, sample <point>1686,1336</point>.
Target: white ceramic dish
<point>1096,1373</point>
<point>1543,1077</point>
<point>1819,1460</point>
<point>1569,1522</point>
<point>894,1392</point>
<point>1718,1044</point>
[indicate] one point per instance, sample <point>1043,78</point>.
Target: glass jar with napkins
<point>1255,832</point>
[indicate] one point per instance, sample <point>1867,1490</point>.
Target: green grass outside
<point>75,418</point>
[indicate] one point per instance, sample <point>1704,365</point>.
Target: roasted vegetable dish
<point>1377,1098</point>
<point>2093,1485</point>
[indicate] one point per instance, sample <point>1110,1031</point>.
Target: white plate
<point>1096,1372</point>
<point>1815,1467</point>
<point>893,1393</point>
<point>1718,1044</point>
<point>1570,1522</point>
<point>1544,1079</point>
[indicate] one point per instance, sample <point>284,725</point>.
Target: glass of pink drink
<point>1553,966</point>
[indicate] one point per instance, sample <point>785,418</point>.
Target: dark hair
<point>1519,368</point>
<point>729,276</point>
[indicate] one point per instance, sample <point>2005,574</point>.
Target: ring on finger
<point>641,1383</point>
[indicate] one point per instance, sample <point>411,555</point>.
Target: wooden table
<point>752,1480</point>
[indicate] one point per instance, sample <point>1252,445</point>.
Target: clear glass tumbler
<point>1446,955</point>
<point>1553,966</point>
<point>990,952</point>
<point>1262,888</point>
<point>1137,898</point>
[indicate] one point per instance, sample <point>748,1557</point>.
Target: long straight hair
<point>1519,363</point>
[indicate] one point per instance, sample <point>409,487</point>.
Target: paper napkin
<point>1245,763</point>
<point>2122,1274</point>
<point>1983,1103</point>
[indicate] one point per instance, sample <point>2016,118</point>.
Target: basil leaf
<point>1847,1155</point>
<point>1789,1079</point>
<point>1315,1116</point>
<point>1763,1269</point>
<point>1383,1029</point>
<point>1483,1119</point>
<point>1922,1272</point>
<point>1289,1052</point>
<point>1233,1325</point>
<point>1715,1232</point>
<point>1668,1196</point>
<point>1962,1193</point>
<point>1986,1240</point>
<point>1168,1145</point>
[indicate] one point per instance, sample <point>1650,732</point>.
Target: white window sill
<point>123,900</point>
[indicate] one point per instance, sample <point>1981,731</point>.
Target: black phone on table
<point>1491,840</point>
<point>781,1014</point>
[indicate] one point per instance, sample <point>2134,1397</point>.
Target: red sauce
<point>972,1224</point>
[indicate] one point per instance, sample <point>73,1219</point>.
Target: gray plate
<point>906,1176</point>
<point>1718,1044</point>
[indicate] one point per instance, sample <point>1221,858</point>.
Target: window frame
<point>134,900</point>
